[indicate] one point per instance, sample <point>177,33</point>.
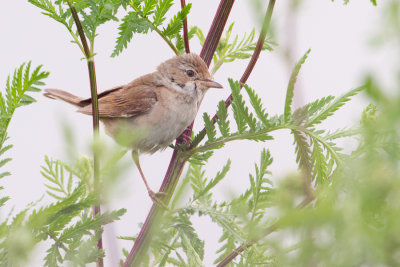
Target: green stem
<point>250,135</point>
<point>95,111</point>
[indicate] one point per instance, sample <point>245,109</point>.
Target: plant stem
<point>215,32</point>
<point>253,60</point>
<point>185,30</point>
<point>177,162</point>
<point>95,112</point>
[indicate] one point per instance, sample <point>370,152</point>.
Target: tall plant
<point>74,222</point>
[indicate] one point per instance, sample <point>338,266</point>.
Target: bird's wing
<point>129,100</point>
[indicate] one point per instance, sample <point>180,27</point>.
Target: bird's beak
<point>210,83</point>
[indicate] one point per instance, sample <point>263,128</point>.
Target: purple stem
<point>177,163</point>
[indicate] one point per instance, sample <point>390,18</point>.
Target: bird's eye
<point>190,73</point>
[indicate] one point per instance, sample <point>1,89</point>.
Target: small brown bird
<point>158,106</point>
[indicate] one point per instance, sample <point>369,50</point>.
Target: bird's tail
<point>65,96</point>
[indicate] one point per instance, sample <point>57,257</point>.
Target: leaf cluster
<point>228,51</point>
<point>151,15</point>
<point>93,14</point>
<point>68,223</point>
<point>316,152</point>
<point>17,89</point>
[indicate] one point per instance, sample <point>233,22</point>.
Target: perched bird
<point>155,108</point>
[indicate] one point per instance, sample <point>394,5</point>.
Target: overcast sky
<point>338,36</point>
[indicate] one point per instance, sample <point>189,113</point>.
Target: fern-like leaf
<point>330,109</point>
<point>131,23</point>
<point>210,127</point>
<point>240,110</point>
<point>255,101</point>
<point>223,122</point>
<point>290,88</point>
<point>175,25</point>
<point>161,9</point>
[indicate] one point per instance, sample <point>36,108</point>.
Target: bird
<point>149,113</point>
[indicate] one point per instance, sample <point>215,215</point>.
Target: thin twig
<point>95,112</point>
<point>185,30</point>
<point>177,162</point>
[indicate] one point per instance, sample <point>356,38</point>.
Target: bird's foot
<point>156,198</point>
<point>185,138</point>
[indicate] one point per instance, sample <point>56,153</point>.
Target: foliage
<point>16,95</point>
<point>93,13</point>
<point>150,16</point>
<point>338,210</point>
<point>228,51</point>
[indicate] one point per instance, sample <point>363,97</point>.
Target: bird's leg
<point>154,196</point>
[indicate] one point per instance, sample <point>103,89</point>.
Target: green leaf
<point>210,128</point>
<point>176,23</point>
<point>200,35</point>
<point>290,88</point>
<point>131,23</point>
<point>330,108</point>
<point>161,9</point>
<point>191,253</point>
<point>240,110</point>
<point>148,6</point>
<point>53,256</point>
<point>4,162</point>
<point>191,243</point>
<point>320,166</point>
<point>82,228</point>
<point>255,101</point>
<point>218,178</point>
<point>303,151</point>
<point>229,51</point>
<point>223,122</point>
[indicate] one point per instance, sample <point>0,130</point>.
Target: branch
<point>215,32</point>
<point>177,162</point>
<point>185,30</point>
<point>95,112</point>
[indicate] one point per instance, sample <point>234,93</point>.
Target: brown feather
<point>130,100</point>
<point>65,96</point>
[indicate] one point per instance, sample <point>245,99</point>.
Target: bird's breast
<point>169,117</point>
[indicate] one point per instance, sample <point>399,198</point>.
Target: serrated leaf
<point>290,87</point>
<point>176,23</point>
<point>220,175</point>
<point>320,173</point>
<point>330,109</point>
<point>223,122</point>
<point>210,128</point>
<point>255,101</point>
<point>303,151</point>
<point>240,110</point>
<point>148,6</point>
<point>82,227</point>
<point>131,24</point>
<point>161,9</point>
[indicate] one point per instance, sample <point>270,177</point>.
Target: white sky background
<point>337,34</point>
